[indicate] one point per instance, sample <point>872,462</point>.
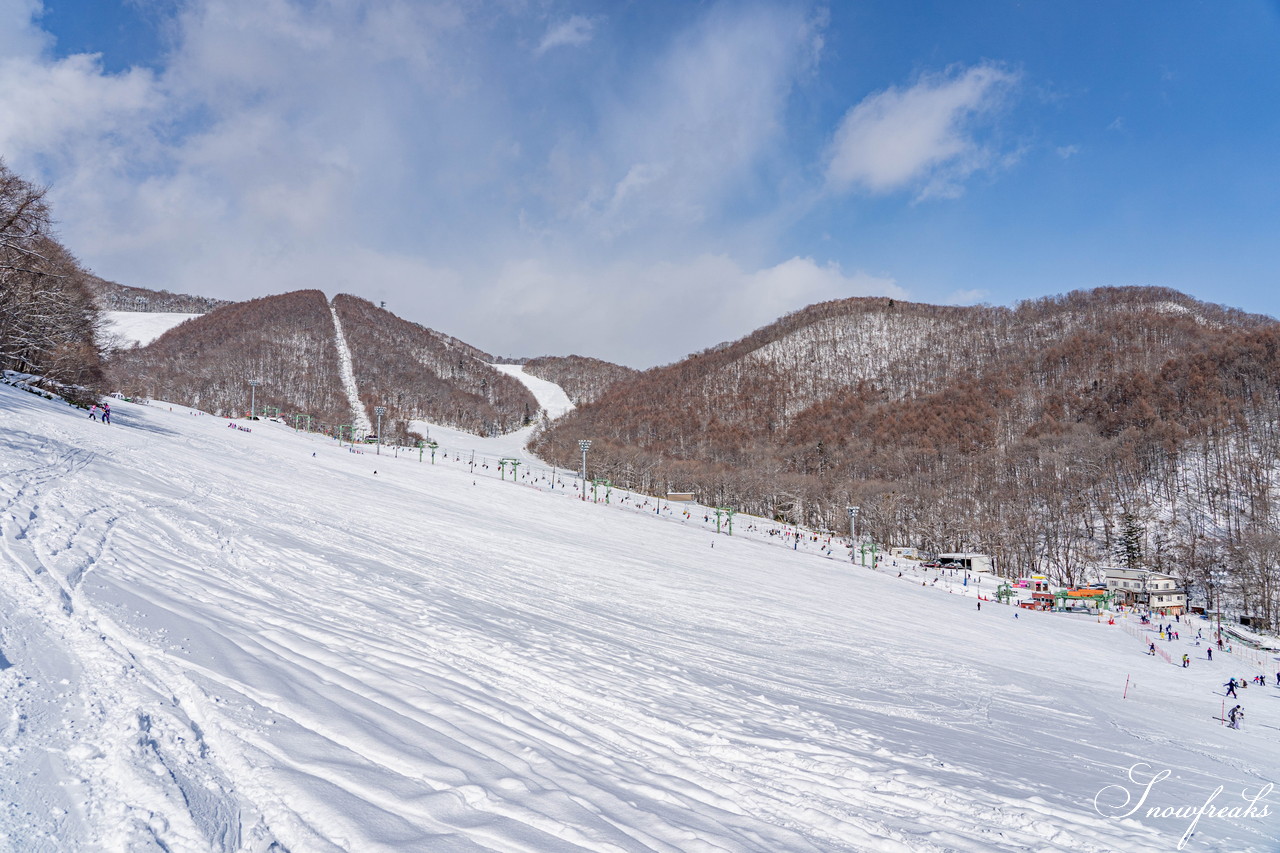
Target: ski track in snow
<point>218,642</point>
<point>551,398</point>
<point>360,418</point>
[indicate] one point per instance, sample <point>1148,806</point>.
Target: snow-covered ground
<point>360,422</point>
<point>140,327</point>
<point>214,639</point>
<point>550,397</point>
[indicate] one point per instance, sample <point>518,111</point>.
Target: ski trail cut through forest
<point>360,418</point>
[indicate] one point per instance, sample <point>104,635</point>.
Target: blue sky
<point>638,181</point>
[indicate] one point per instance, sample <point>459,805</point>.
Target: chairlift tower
<point>584,444</point>
<point>253,399</point>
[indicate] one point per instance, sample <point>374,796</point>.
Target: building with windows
<point>969,562</point>
<point>1144,588</point>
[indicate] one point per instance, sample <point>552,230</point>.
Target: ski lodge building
<point>1153,590</point>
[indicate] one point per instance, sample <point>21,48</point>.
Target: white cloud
<point>695,127</point>
<point>47,107</point>
<point>967,297</point>
<point>17,37</point>
<point>657,312</point>
<point>379,148</point>
<point>923,137</point>
<point>570,33</point>
<point>1066,152</point>
<point>798,282</point>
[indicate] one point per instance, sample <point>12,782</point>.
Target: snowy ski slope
<point>127,328</point>
<point>221,640</point>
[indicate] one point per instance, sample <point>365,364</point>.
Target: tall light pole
<point>853,529</point>
<point>584,444</point>
<point>380,411</point>
<point>1218,578</point>
<point>253,390</point>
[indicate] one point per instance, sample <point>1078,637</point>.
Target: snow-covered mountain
<point>333,362</point>
<point>220,639</point>
<point>1087,407</point>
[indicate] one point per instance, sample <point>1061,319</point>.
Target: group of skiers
<point>104,410</point>
<point>1236,715</point>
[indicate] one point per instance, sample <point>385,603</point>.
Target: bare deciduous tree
<point>48,320</point>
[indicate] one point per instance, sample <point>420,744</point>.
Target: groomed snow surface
<point>127,328</point>
<point>214,639</point>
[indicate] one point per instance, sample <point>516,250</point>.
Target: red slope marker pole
<point>1126,688</point>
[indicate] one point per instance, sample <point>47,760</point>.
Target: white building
<point>1153,590</point>
<point>970,562</point>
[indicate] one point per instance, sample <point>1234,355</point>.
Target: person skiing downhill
<point>1234,716</point>
<point>93,412</point>
<point>1231,688</point>
<point>106,413</point>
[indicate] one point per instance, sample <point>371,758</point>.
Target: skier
<point>1209,651</point>
<point>1151,649</point>
<point>106,413</point>
<point>93,412</point>
<point>1234,716</point>
<point>1231,688</point>
<point>979,605</point>
<point>1186,661</point>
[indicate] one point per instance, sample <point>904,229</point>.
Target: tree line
<point>417,373</point>
<point>49,323</point>
<point>583,379</point>
<point>112,296</point>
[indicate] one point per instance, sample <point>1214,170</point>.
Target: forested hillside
<point>1116,425</point>
<point>111,296</point>
<point>288,342</point>
<point>420,374</point>
<point>285,341</point>
<point>48,320</point>
<point>583,379</point>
